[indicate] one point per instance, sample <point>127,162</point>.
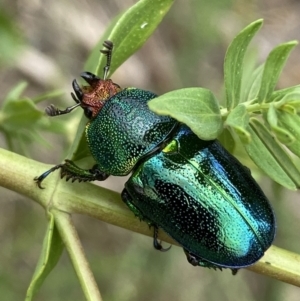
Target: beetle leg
<point>40,179</point>
<point>53,111</point>
<point>191,258</point>
<point>157,245</point>
<point>108,52</point>
<point>197,261</point>
<point>71,171</point>
<point>126,198</point>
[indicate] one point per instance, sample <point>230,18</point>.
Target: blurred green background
<point>46,44</point>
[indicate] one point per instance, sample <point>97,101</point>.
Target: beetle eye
<point>88,112</point>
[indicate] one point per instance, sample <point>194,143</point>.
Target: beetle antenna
<point>108,52</point>
<point>53,111</point>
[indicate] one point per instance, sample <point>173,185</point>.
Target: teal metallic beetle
<point>194,190</point>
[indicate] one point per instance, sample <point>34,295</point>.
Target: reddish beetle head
<point>92,98</point>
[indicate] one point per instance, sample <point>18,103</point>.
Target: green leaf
<point>238,119</point>
<point>54,125</point>
<point>15,93</point>
<point>92,63</point>
<point>270,157</point>
<point>21,121</point>
<point>295,104</point>
<point>79,148</point>
<point>289,97</point>
<point>10,36</point>
<point>283,93</point>
<point>250,75</point>
<point>291,122</point>
<point>19,115</point>
<point>47,96</point>
<point>196,107</point>
<point>282,135</point>
<point>273,67</point>
<point>233,65</point>
<point>254,83</point>
<point>132,30</point>
<point>290,109</point>
<point>227,140</point>
<point>51,252</point>
<point>128,33</point>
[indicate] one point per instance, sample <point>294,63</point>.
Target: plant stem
<point>17,173</point>
<point>72,243</point>
<point>250,107</point>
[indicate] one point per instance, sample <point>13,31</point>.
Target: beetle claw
<point>51,110</point>
<point>109,45</point>
<point>38,182</point>
<point>157,245</point>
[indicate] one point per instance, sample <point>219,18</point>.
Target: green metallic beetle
<point>194,190</point>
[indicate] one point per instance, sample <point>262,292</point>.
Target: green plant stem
<point>72,243</point>
<point>17,173</point>
<point>279,264</point>
<point>250,107</point>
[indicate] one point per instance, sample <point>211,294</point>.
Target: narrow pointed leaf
<point>196,107</point>
<point>82,150</point>
<point>283,135</point>
<point>282,93</point>
<point>51,252</point>
<point>132,30</point>
<point>273,67</point>
<point>19,115</point>
<point>79,148</point>
<point>233,65</point>
<point>128,32</point>
<point>48,95</point>
<point>295,104</point>
<point>15,93</point>
<point>95,57</point>
<point>290,109</point>
<point>238,119</point>
<point>227,140</point>
<point>255,81</point>
<point>289,97</point>
<point>270,157</point>
<point>291,122</point>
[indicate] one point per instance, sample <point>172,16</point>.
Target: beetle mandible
<point>194,190</point>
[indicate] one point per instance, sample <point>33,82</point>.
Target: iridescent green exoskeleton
<point>194,190</point>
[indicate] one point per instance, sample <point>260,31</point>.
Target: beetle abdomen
<point>206,200</point>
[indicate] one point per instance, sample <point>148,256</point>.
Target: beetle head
<point>92,97</point>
